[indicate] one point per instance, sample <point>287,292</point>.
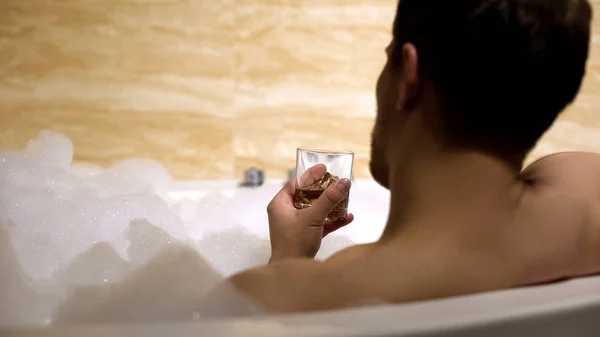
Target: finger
<point>335,225</point>
<point>348,219</point>
<point>286,194</point>
<point>289,188</point>
<point>331,197</point>
<point>312,175</point>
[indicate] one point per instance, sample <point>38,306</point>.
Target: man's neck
<point>434,189</point>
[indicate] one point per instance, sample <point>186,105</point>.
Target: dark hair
<point>504,69</point>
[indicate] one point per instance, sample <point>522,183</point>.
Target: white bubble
<point>82,243</point>
<point>51,149</point>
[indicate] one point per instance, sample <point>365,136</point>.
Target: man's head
<point>488,75</point>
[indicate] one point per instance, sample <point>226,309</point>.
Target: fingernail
<point>344,185</point>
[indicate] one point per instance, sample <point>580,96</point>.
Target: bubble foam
<point>81,243</point>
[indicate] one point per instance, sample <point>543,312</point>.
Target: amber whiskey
<point>306,195</point>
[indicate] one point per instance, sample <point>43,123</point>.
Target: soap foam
<point>80,243</point>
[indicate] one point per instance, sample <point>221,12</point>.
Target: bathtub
<point>562,309</point>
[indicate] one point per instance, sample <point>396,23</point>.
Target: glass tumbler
<point>315,171</point>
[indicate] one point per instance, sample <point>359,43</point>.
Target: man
<point>468,89</point>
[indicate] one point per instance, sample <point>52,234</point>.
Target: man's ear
<point>409,86</point>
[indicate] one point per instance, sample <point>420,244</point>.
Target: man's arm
<point>292,281</point>
<point>292,285</point>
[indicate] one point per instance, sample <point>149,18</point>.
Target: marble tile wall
<point>212,87</point>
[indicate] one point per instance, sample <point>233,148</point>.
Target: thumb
<point>331,197</point>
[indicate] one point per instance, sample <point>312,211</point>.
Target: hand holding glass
<point>315,171</point>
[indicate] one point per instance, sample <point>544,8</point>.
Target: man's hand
<point>298,233</point>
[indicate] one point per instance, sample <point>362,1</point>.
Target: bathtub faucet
<point>253,177</point>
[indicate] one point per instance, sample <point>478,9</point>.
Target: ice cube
<point>322,183</point>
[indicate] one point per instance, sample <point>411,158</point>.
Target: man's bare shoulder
<point>563,187</point>
<point>565,167</point>
<point>562,208</point>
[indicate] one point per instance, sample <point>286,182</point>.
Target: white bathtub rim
<point>459,314</point>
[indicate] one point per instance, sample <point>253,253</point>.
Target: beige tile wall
<point>212,87</point>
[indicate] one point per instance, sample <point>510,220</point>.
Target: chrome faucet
<point>253,177</point>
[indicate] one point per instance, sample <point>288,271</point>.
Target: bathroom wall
<point>212,87</point>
